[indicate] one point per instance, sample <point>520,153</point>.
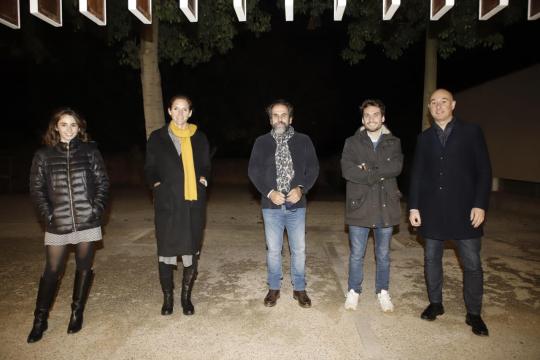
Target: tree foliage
<point>181,41</point>
<point>459,27</point>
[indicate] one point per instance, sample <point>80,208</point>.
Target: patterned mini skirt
<point>75,237</point>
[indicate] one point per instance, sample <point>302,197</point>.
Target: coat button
<point>441,173</point>
<point>440,187</point>
<point>384,205</point>
<point>442,157</point>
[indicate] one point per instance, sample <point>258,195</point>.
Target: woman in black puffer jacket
<point>69,186</point>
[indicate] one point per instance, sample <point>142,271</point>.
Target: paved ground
<point>122,319</point>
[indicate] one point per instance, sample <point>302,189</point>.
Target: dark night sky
<point>231,91</point>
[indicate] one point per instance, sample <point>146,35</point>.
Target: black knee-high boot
<point>190,274</point>
<point>45,297</point>
<point>81,289</point>
<point>167,286</point>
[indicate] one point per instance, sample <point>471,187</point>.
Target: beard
<point>373,127</point>
<point>280,127</point>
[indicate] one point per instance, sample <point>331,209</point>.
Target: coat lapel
<point>434,139</point>
<point>168,144</point>
<point>454,135</point>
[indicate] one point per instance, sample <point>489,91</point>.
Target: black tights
<point>56,256</point>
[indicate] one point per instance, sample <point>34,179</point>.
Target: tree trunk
<point>151,78</point>
<point>430,75</point>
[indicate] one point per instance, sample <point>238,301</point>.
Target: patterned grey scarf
<point>284,164</point>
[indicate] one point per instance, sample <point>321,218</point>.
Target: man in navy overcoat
<point>448,199</point>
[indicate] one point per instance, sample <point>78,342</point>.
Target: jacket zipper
<point>69,191</point>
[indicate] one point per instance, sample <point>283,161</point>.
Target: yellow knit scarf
<point>190,182</point>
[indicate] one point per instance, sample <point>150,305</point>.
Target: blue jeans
<point>275,222</point>
<point>473,276</point>
<point>358,237</point>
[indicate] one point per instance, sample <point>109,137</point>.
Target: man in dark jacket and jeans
<point>370,163</point>
<point>448,199</point>
<point>283,166</point>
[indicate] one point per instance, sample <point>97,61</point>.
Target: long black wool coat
<point>179,223</point>
<point>447,182</point>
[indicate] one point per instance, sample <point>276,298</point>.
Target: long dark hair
<point>52,137</point>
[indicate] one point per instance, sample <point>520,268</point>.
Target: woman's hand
<point>203,181</point>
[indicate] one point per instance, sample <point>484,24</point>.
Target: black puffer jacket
<point>70,186</point>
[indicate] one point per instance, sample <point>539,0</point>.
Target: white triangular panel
<point>142,9</point>
<point>52,16</point>
<point>87,10</point>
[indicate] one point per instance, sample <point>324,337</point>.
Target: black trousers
<point>473,275</point>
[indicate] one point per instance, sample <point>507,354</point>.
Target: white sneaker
<point>352,300</point>
<point>385,302</point>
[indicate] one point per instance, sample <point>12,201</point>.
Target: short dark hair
<point>290,108</point>
<point>180,97</point>
<point>52,137</point>
<point>372,102</point>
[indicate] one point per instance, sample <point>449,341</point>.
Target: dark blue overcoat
<point>447,182</point>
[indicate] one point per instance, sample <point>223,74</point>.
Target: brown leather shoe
<point>303,300</point>
<point>271,298</point>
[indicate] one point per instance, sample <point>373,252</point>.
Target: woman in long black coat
<point>177,168</point>
<point>70,187</point>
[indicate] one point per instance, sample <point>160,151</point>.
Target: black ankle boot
<point>190,273</point>
<point>46,292</point>
<point>81,289</point>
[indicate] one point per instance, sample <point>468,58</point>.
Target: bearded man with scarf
<point>177,168</point>
<point>283,167</point>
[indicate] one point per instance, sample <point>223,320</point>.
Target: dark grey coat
<point>372,194</point>
<point>179,223</point>
<point>447,182</point>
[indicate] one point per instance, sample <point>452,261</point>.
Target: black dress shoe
<point>303,300</point>
<point>432,311</point>
<point>478,326</point>
<point>271,298</point>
